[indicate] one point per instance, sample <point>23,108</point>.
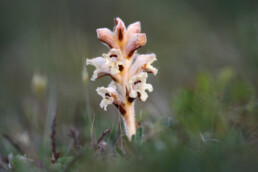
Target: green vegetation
<point>213,128</point>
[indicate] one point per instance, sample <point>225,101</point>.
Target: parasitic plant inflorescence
<point>128,70</point>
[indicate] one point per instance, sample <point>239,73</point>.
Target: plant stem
<point>129,120</point>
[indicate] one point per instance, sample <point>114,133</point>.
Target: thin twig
<point>55,154</point>
<point>103,135</point>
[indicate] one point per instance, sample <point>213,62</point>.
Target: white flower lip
<point>143,63</point>
<point>107,98</point>
<point>100,64</point>
<point>109,95</point>
<point>110,64</point>
<point>138,85</point>
<point>115,61</point>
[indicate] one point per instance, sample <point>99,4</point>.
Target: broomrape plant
<point>128,70</point>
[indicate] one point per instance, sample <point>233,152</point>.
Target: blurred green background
<point>202,115</point>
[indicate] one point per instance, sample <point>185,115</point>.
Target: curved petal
<point>138,86</point>
<point>106,95</point>
<point>143,63</point>
<point>101,67</point>
<point>143,95</point>
<point>115,61</point>
<point>133,94</point>
<point>109,95</point>
<point>98,62</point>
<point>133,28</point>
<point>136,41</point>
<point>107,37</point>
<point>119,29</point>
<point>148,87</point>
<point>114,53</point>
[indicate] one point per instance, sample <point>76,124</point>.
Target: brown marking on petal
<point>114,78</point>
<point>139,95</point>
<point>131,53</point>
<point>107,95</point>
<point>119,28</point>
<point>136,82</point>
<point>130,99</point>
<point>149,71</point>
<point>120,35</point>
<point>141,68</point>
<point>135,42</point>
<point>127,92</point>
<point>121,68</point>
<point>107,74</point>
<point>121,109</point>
<point>145,69</point>
<point>113,55</point>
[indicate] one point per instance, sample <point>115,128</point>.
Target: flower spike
<point>128,70</point>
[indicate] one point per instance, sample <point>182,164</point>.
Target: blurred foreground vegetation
<point>213,128</point>
<point>202,115</point>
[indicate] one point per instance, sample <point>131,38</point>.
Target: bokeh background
<point>202,114</point>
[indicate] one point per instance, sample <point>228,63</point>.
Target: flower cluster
<point>128,70</point>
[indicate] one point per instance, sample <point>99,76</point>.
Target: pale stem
<point>129,120</point>
<point>129,115</point>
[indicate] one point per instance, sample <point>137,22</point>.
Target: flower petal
<point>133,94</point>
<point>119,29</point>
<point>107,37</point>
<point>101,67</point>
<point>133,28</point>
<point>115,61</point>
<point>98,62</point>
<point>143,95</point>
<point>138,86</point>
<point>109,95</point>
<point>114,53</point>
<point>136,41</point>
<point>107,98</point>
<point>143,63</point>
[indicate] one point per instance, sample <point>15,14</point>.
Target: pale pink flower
<point>128,70</point>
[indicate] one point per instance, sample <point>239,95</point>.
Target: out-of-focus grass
<point>202,115</point>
